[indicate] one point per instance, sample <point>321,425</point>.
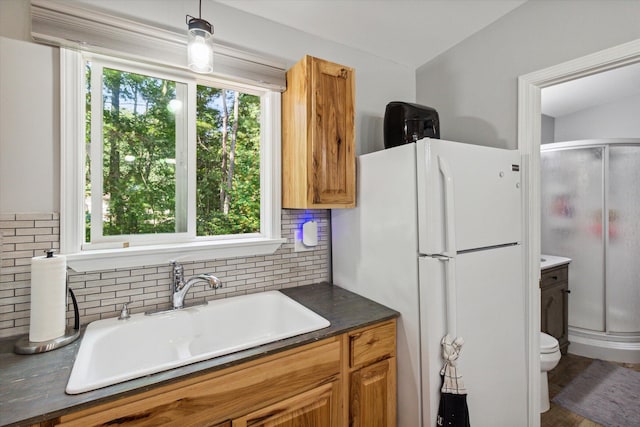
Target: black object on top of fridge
<point>405,123</point>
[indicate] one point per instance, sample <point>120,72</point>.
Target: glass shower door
<point>572,196</point>
<point>623,265</point>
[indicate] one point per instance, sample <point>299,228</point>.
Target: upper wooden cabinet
<point>318,136</point>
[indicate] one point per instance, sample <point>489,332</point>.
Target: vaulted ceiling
<point>412,32</point>
<point>409,32</point>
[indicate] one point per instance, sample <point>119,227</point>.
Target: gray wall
<point>620,119</point>
<point>547,135</point>
<point>29,127</point>
<point>474,85</point>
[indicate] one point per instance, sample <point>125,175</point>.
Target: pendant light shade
<point>200,44</point>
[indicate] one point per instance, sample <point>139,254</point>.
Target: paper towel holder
<point>24,346</point>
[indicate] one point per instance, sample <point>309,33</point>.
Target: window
<point>171,166</point>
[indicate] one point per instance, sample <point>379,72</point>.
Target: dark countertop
<point>32,386</point>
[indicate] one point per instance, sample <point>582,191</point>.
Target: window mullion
<point>181,167</point>
<point>191,157</point>
<point>96,151</point>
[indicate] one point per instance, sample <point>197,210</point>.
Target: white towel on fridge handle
<point>452,382</point>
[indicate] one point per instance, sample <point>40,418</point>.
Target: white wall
<point>23,141</point>
<point>474,85</point>
<point>620,119</point>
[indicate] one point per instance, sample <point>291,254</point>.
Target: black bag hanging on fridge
<point>453,410</point>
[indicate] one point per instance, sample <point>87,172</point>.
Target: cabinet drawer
<point>372,344</point>
<point>554,275</point>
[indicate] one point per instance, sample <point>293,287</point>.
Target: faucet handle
<point>177,267</point>
<point>177,275</point>
<point>124,313</point>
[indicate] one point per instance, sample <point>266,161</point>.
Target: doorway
<point>529,138</point>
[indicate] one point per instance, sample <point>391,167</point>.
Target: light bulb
<point>199,52</point>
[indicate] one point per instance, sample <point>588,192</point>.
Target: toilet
<point>549,358</point>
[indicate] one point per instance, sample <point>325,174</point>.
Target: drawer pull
<point>554,277</point>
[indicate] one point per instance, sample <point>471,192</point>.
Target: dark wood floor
<point>569,367</point>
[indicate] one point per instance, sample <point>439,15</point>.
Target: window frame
<point>109,255</point>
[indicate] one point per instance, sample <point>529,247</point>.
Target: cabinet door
<point>554,305</point>
<point>372,400</point>
<point>331,174</point>
<point>315,408</point>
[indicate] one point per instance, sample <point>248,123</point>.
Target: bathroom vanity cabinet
<point>344,380</point>
<point>554,304</point>
<point>318,136</point>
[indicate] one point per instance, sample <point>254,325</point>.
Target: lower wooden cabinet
<point>372,400</point>
<point>372,376</point>
<point>554,304</point>
<point>345,380</point>
<point>319,407</point>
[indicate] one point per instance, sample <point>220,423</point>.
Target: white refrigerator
<point>437,225</point>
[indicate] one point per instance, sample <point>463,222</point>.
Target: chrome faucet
<point>180,287</point>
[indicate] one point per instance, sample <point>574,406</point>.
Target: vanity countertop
<point>549,261</point>
<point>32,386</point>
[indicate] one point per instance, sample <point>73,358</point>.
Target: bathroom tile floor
<point>569,367</point>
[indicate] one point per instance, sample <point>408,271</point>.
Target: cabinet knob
<point>567,291</point>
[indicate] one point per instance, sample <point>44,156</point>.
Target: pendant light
<point>200,45</point>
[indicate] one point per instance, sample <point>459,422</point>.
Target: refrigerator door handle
<point>449,208</point>
<point>451,294</point>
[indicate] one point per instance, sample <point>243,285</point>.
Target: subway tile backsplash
<point>101,294</point>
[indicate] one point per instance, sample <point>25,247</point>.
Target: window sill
<point>138,256</point>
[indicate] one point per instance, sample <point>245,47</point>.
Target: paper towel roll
<point>48,298</point>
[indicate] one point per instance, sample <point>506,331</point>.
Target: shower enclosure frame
<point>615,346</point>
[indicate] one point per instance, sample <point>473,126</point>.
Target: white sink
<point>548,261</point>
<point>113,351</point>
